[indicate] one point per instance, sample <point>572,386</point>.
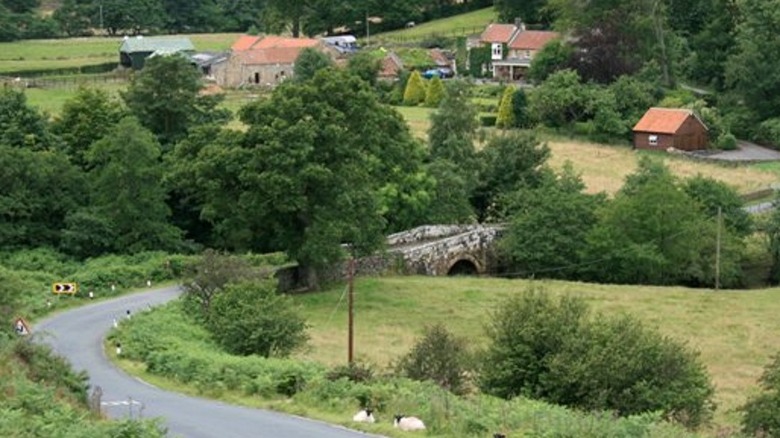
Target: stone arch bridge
<point>437,250</point>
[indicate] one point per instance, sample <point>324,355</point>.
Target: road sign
<point>21,327</point>
<point>65,288</point>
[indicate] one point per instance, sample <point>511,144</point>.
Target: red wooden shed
<point>664,128</point>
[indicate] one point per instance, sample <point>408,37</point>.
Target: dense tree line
<point>20,19</point>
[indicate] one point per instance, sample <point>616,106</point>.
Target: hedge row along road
<point>78,335</point>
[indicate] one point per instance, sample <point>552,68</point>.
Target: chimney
<point>519,24</point>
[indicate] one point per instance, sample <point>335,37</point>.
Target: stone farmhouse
<point>512,48</point>
<point>262,60</point>
<point>664,128</point>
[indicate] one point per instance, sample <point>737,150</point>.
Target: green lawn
<point>735,331</point>
<point>75,52</point>
<point>464,24</point>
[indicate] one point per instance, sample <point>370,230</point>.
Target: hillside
<point>457,25</point>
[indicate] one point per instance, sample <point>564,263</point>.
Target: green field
<point>458,25</point>
<point>76,52</point>
<point>735,331</point>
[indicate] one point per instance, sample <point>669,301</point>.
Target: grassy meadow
<point>471,22</point>
<point>735,331</point>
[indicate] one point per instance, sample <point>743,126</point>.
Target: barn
<point>134,51</point>
<point>664,128</point>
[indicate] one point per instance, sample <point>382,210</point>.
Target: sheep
<point>364,416</point>
<point>408,423</point>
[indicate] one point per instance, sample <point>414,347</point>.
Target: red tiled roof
<point>275,41</point>
<point>273,55</point>
<point>391,65</point>
<point>532,39</point>
<point>498,33</point>
<point>244,42</point>
<point>439,58</point>
<point>664,120</point>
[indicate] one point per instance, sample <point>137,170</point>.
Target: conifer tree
<point>414,94</point>
<point>435,93</point>
<point>506,114</point>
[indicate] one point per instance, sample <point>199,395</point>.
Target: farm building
<point>512,48</point>
<point>262,60</point>
<point>134,51</point>
<point>664,128</point>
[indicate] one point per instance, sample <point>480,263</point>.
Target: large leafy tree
<point>166,100</point>
<point>22,125</point>
<point>319,173</point>
<point>530,11</point>
<point>132,16</point>
<point>452,131</point>
<point>85,118</point>
<point>309,62</point>
<point>38,189</point>
<point>127,190</point>
<point>751,70</point>
<point>548,226</point>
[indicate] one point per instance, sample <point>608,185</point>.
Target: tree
<point>750,71</point>
<point>520,109</point>
<point>365,66</point>
<point>22,125</point>
<point>165,98</point>
<point>530,11</point>
<point>319,175</point>
<point>760,412</point>
<point>554,56</point>
<point>438,356</point>
<point>132,17</point>
<point>85,118</point>
<point>450,199</point>
<point>548,226</point>
<point>252,318</point>
<point>772,232</point>
<point>506,115</point>
<point>211,276</point>
<point>309,62</point>
<point>126,189</point>
<point>560,100</point>
<point>434,93</point>
<point>509,163</point>
<point>37,190</point>
<point>414,93</point>
<point>452,130</point>
<point>650,234</point>
<point>713,195</point>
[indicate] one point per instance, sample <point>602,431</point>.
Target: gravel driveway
<point>747,152</point>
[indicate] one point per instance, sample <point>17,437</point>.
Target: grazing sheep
<point>408,423</point>
<point>364,416</point>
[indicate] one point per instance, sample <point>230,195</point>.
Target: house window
<point>652,140</point>
<point>527,53</point>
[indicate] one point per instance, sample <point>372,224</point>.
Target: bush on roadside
<point>253,318</point>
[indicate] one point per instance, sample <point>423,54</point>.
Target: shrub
<point>762,411</point>
<point>552,351</point>
<point>252,318</point>
<point>726,142</point>
<point>438,356</point>
<point>354,372</point>
<point>769,133</point>
<point>414,94</point>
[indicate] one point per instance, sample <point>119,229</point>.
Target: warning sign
<point>21,328</point>
<point>64,288</point>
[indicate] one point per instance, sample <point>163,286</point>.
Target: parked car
<point>441,72</point>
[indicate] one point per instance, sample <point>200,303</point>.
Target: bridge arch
<point>464,264</point>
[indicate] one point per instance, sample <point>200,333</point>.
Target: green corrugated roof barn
<point>134,51</point>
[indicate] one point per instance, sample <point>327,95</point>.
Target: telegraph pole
<point>350,305</point>
<point>717,251</point>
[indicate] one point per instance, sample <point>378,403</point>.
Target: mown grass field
<point>735,331</point>
<point>471,22</point>
<point>76,52</point>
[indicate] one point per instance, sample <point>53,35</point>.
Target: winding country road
<point>78,335</point>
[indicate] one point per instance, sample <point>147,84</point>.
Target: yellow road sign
<point>64,288</point>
